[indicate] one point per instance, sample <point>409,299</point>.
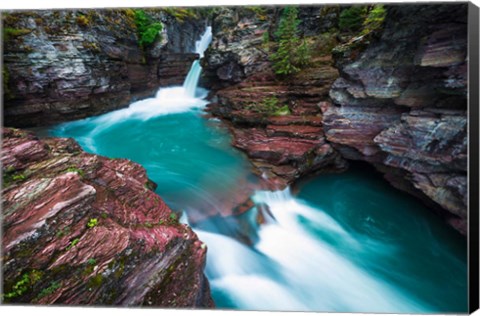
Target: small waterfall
<point>191,81</point>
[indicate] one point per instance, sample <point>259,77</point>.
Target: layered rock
<point>401,104</point>
<point>285,145</point>
<point>86,230</point>
<point>70,64</point>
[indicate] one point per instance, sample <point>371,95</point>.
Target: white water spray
<point>291,268</point>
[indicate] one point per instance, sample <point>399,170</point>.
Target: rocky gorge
<point>80,228</point>
<point>394,96</point>
<point>70,64</point>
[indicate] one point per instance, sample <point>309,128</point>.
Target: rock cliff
<point>394,96</point>
<point>70,64</point>
<point>83,229</point>
<point>401,104</point>
<point>286,143</point>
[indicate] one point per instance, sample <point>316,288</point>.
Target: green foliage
<point>291,54</point>
<point>260,12</point>
<point>92,222</point>
<point>266,37</point>
<point>173,218</point>
<point>11,175</point>
<point>82,20</point>
<point>147,30</point>
<point>270,106</point>
<point>375,18</point>
<point>92,261</point>
<point>302,58</point>
<point>26,281</point>
<point>49,290</point>
<point>73,243</point>
<point>9,33</point>
<point>7,93</point>
<point>352,18</point>
<point>181,14</point>
<point>76,170</point>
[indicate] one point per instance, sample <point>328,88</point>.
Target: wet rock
<point>86,230</point>
<point>400,103</point>
<point>70,64</point>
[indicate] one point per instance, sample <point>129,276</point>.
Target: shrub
<point>270,106</point>
<point>82,20</point>
<point>351,19</point>
<point>181,14</point>
<point>92,222</point>
<point>147,30</point>
<point>10,32</point>
<point>375,18</point>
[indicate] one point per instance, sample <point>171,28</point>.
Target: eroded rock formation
<point>70,64</point>
<point>83,229</point>
<point>395,96</point>
<point>401,104</point>
<point>237,65</point>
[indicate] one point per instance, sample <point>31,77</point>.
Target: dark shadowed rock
<point>70,64</point>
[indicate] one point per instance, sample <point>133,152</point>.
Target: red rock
<point>93,231</point>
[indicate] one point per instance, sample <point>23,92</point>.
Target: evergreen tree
<point>286,59</point>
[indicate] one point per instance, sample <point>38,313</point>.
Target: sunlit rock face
<point>401,103</point>
<point>70,64</point>
<point>88,230</point>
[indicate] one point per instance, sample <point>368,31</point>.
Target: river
<point>342,243</point>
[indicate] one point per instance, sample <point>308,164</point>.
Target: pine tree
<point>285,59</point>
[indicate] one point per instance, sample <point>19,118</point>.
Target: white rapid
<point>290,268</point>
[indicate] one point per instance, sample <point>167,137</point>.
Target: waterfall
<point>191,81</point>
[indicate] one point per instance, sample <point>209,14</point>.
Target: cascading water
<point>334,249</point>
<point>191,81</point>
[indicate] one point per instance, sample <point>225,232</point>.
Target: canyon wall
<point>394,96</point>
<point>401,104</point>
<point>82,229</point>
<point>70,64</point>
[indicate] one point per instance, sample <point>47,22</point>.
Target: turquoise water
<point>346,242</point>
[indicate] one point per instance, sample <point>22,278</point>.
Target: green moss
<point>92,222</point>
<point>7,93</point>
<point>54,285</point>
<point>270,106</point>
<point>63,232</point>
<point>91,261</point>
<point>10,33</point>
<point>260,12</point>
<point>73,243</point>
<point>10,176</point>
<point>83,21</point>
<point>96,281</point>
<point>80,172</point>
<point>24,284</point>
<point>181,14</point>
